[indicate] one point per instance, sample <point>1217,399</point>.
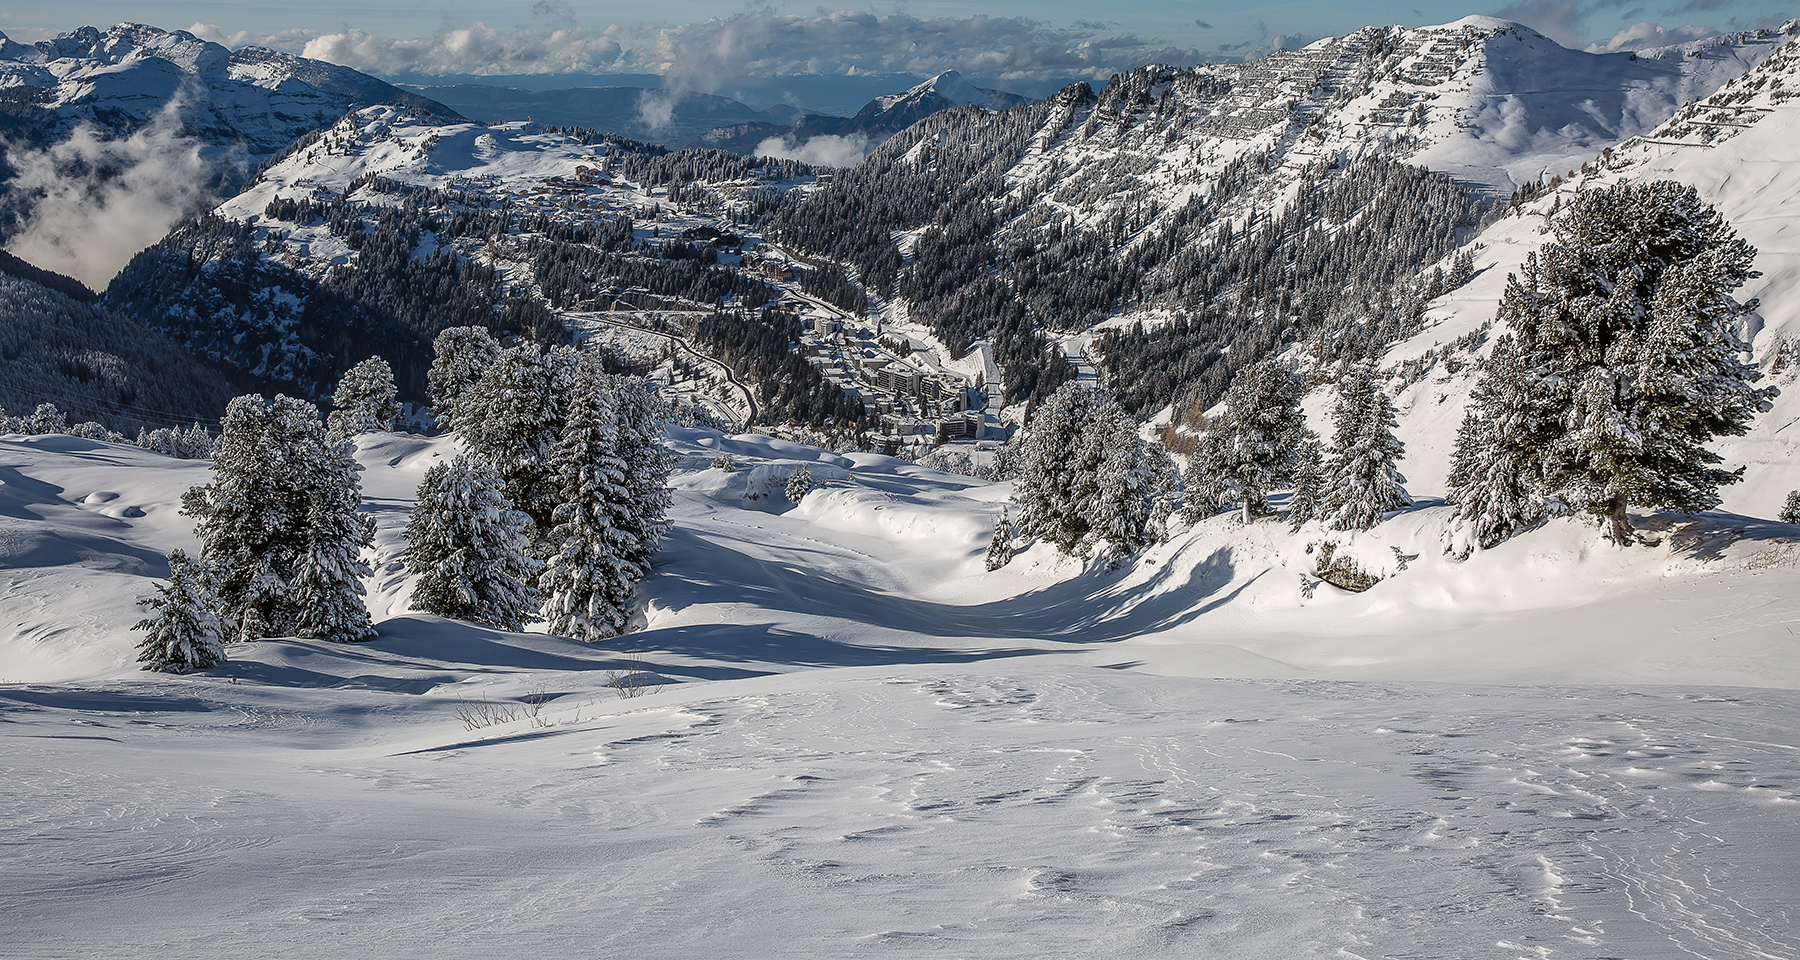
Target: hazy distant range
<point>616,102</point>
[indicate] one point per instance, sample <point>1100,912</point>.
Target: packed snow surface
<point>855,741</point>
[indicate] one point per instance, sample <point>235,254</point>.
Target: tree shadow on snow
<point>1096,606</point>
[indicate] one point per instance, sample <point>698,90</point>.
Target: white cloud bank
<point>87,205</point>
<point>1640,36</point>
<point>707,55</point>
<point>829,150</point>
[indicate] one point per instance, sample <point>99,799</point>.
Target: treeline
<point>684,167</point>
<point>941,173</point>
<point>214,284</point>
<point>1337,268</point>
<point>761,347</point>
<point>97,365</point>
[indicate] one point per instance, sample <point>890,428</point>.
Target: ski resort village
<point>1337,498</point>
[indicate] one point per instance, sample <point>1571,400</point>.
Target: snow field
<point>866,745</point>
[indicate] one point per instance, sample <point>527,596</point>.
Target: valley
<point>1093,525</point>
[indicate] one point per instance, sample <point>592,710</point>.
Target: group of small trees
<point>281,541</point>
<point>1620,363</point>
<point>554,510</point>
<point>1086,479</point>
<point>558,503</point>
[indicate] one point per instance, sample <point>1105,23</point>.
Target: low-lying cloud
<point>1639,36</point>
<point>86,205</point>
<point>828,150</point>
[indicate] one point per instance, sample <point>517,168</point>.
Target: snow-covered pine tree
<point>1256,444</point>
<point>184,634</point>
<point>521,397</point>
<point>278,526</point>
<point>327,584</point>
<point>587,584</point>
<point>643,420</point>
<point>1790,511</point>
<point>1085,478</point>
<point>1000,547</point>
<point>1628,360</point>
<point>461,355</point>
<point>467,545</point>
<point>252,519</point>
<point>1309,484</point>
<point>365,400</point>
<point>1495,470</point>
<point>799,484</point>
<point>1361,479</point>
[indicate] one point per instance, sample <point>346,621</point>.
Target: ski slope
<point>858,742</point>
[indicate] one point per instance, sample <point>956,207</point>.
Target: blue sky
<point>698,42</point>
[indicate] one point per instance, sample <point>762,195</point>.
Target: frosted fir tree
<point>1623,360</point>
<point>1085,478</point>
<point>522,397</point>
<point>1495,470</point>
<point>460,356</point>
<point>283,499</point>
<point>799,484</point>
<point>587,583</point>
<point>328,582</point>
<point>1255,446</point>
<point>467,545</point>
<point>643,420</point>
<point>1361,479</point>
<point>1790,511</point>
<point>1000,547</point>
<point>365,400</point>
<point>1309,484</point>
<point>184,634</point>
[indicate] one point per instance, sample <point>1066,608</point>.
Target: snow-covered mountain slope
<point>951,88</point>
<point>387,227</point>
<point>121,79</point>
<point>1487,101</point>
<point>1740,149</point>
<point>855,739</point>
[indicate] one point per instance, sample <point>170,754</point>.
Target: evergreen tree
<point>1790,511</point>
<point>1000,548</point>
<point>184,635</point>
<point>799,484</point>
<point>278,526</point>
<point>1256,445</point>
<point>587,584</point>
<point>1623,357</point>
<point>1361,481</point>
<point>521,399</point>
<point>643,418</point>
<point>461,355</point>
<point>1495,476</point>
<point>1309,484</point>
<point>467,545</point>
<point>364,400</point>
<point>327,584</point>
<point>1086,478</point>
